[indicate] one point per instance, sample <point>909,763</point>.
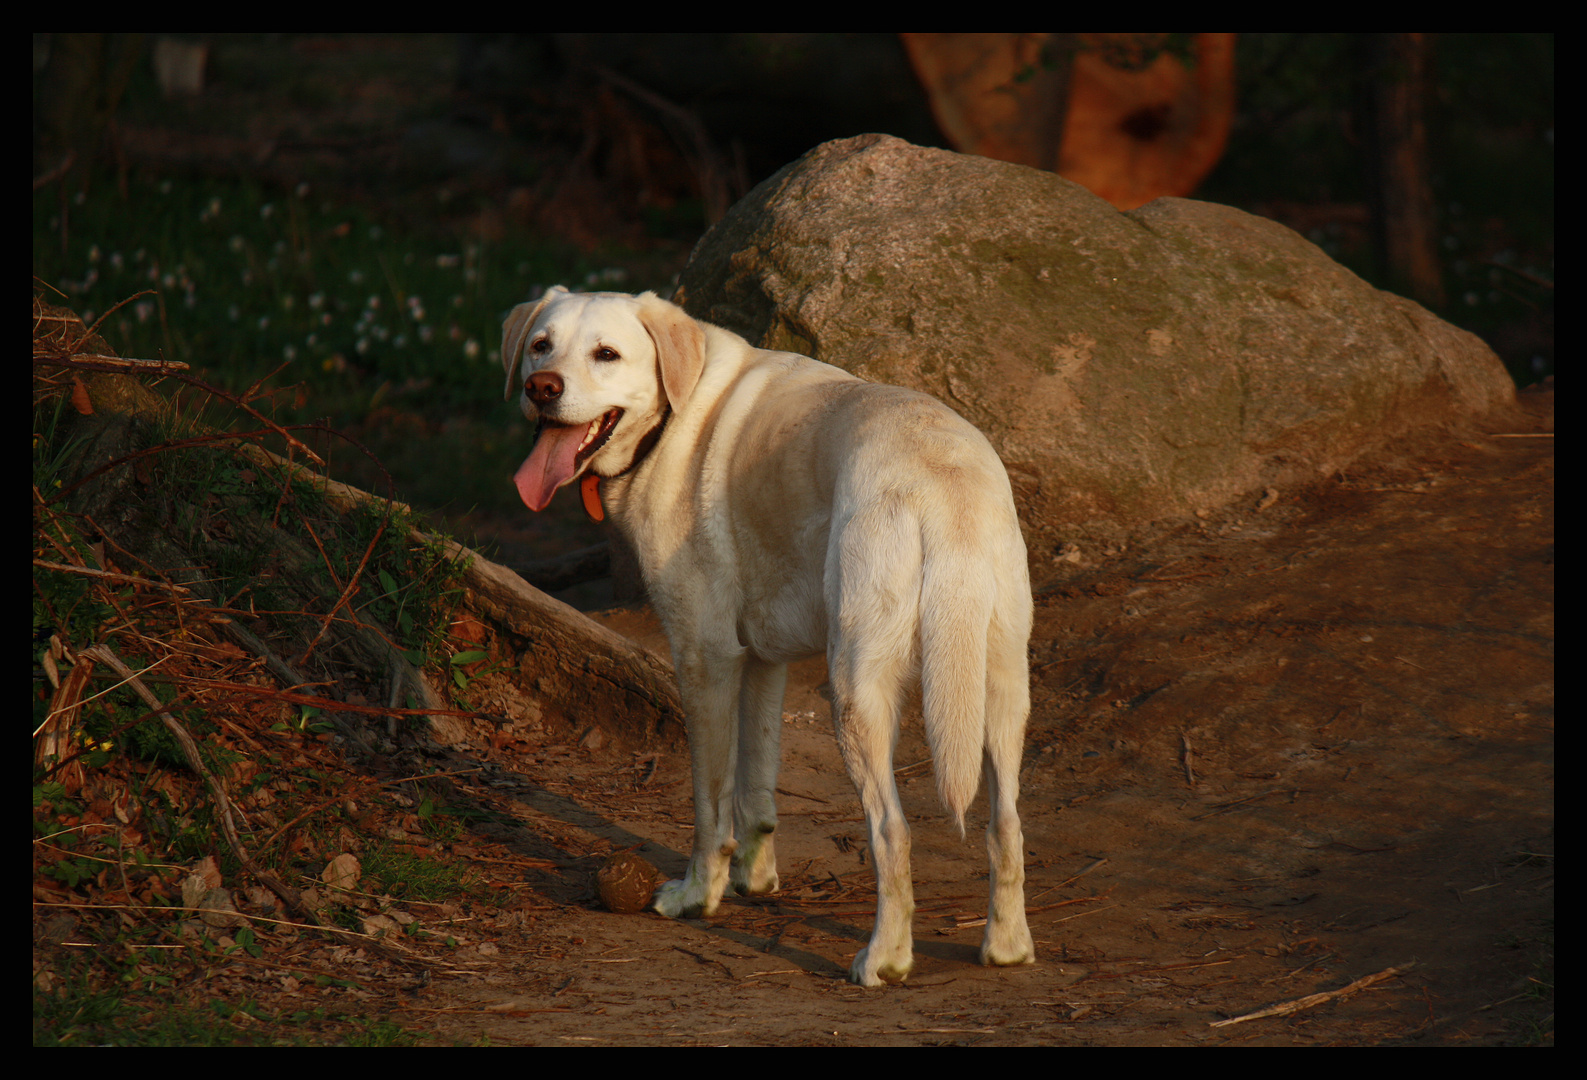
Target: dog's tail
<point>958,593</point>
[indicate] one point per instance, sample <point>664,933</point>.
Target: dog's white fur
<point>789,508</point>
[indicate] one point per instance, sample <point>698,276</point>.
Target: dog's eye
<point>539,345</point>
<point>605,353</point>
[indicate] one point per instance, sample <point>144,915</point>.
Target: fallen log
<point>581,668</point>
<point>564,661</point>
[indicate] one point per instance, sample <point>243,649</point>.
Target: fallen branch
<point>599,671</point>
<point>124,363</point>
<point>1066,881</point>
<point>1312,1000</point>
<point>121,366</point>
<point>131,579</point>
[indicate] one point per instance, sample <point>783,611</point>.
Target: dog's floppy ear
<point>680,345</point>
<point>513,333</point>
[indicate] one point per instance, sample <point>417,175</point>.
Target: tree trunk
<point>1395,72</point>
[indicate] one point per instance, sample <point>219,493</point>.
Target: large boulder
<point>1128,366</point>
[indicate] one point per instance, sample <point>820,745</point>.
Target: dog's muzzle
<point>559,453</point>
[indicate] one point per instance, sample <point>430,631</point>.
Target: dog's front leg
<point>755,795</point>
<point>710,688</point>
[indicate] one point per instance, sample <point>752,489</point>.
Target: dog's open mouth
<point>559,452</point>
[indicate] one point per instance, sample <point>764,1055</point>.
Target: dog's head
<point>597,371</point>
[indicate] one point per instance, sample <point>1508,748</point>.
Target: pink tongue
<point>549,465</point>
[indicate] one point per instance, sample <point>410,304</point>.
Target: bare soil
<point>1272,752</point>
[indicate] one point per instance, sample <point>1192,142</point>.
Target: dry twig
<point>1312,1000</point>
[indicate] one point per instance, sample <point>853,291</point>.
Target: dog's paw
<point>753,881</point>
<point>754,867</point>
<point>1007,946</point>
<point>868,972</point>
<point>676,900</point>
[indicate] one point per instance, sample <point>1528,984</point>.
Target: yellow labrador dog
<point>779,508</point>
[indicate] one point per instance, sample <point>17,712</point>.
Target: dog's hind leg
<point>873,604</point>
<point>866,718</point>
<point>755,793</point>
<point>1007,939</point>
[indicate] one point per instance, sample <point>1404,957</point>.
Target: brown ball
<point>626,883</point>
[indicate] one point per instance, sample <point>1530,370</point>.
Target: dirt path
<point>1270,754</point>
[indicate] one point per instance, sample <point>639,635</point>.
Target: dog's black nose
<point>544,387</point>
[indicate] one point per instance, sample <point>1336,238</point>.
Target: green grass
<point>389,330</point>
<point>410,877</point>
<point>247,280</point>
